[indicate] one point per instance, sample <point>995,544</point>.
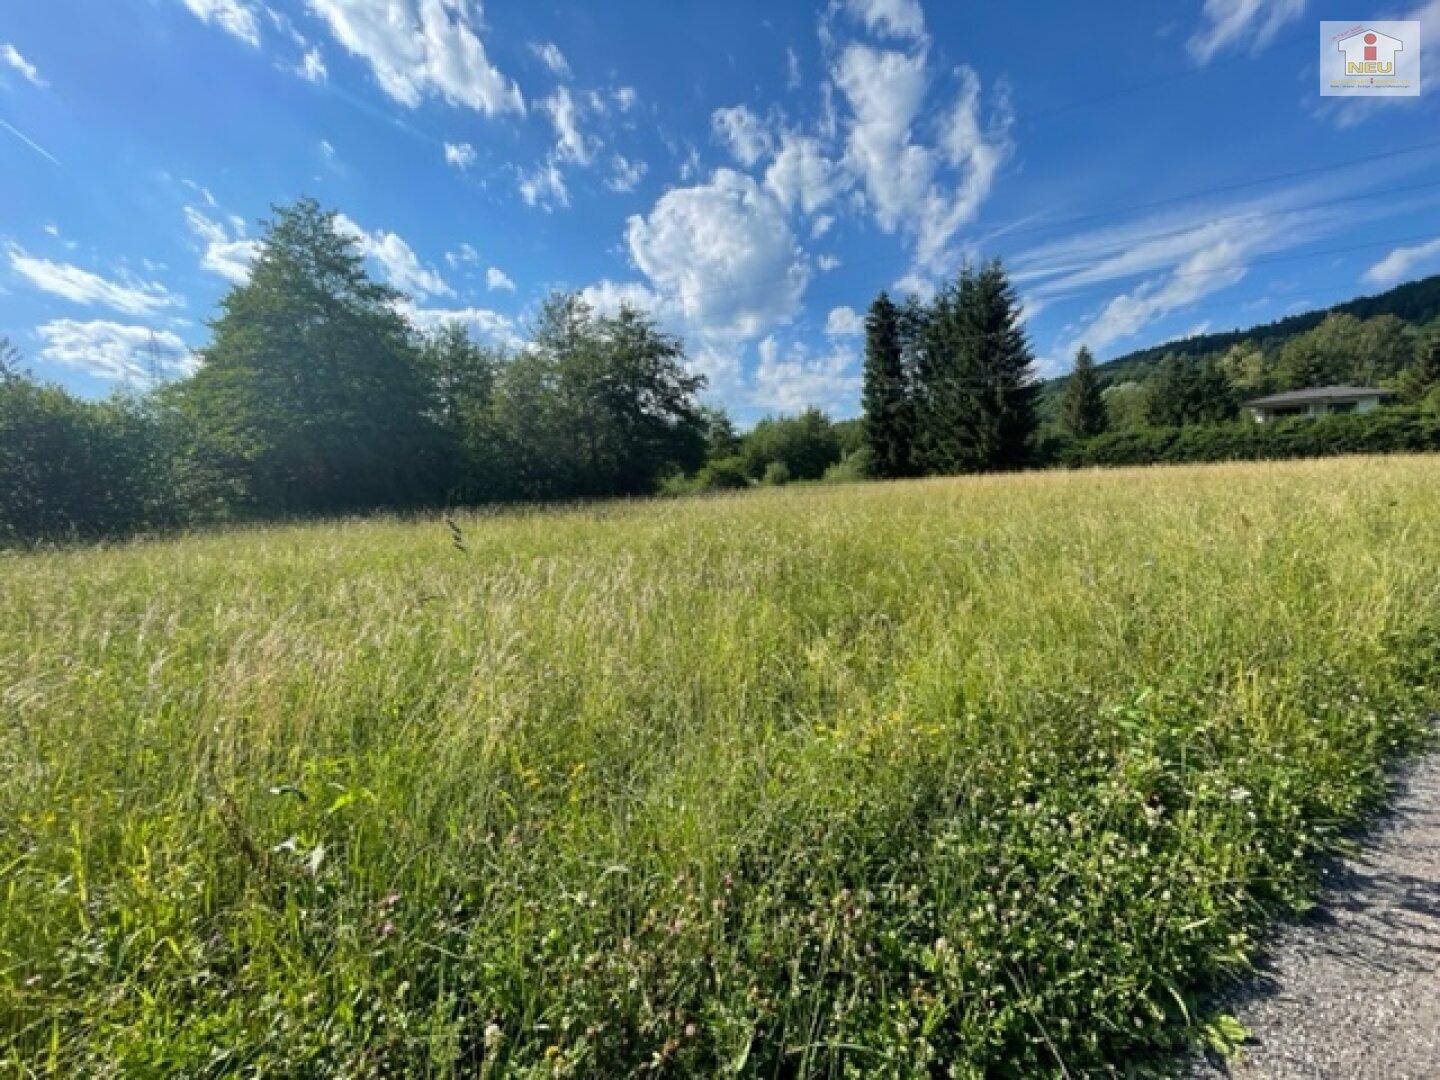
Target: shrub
<point>1383,432</point>
<point>777,473</point>
<point>853,467</point>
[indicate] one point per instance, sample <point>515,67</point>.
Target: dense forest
<point>315,395</point>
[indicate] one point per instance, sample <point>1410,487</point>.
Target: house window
<point>1343,406</point>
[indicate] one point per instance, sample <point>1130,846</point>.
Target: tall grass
<point>978,776</point>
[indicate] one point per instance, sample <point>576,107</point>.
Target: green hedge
<point>1387,431</point>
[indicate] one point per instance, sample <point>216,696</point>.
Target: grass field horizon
<point>987,776</point>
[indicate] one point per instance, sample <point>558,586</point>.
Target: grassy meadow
<point>985,776</point>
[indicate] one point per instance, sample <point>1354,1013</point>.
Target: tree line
<point>315,395</point>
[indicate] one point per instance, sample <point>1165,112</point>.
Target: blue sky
<point>752,172</point>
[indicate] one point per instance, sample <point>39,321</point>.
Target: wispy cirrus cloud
<point>1246,25</point>
<point>81,286</point>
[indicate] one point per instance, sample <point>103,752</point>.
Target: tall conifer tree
<point>889,428</point>
<point>1082,410</point>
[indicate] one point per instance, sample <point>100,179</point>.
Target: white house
<point>1321,401</point>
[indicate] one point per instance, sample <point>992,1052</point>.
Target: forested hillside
<point>1416,303</point>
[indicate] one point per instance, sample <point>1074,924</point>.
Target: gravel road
<point>1353,991</point>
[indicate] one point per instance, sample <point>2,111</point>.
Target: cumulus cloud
<point>803,176</point>
<point>723,253</point>
<point>899,18</point>
<point>227,252</point>
<point>418,48</point>
<point>550,55</point>
<point>743,132</point>
<point>844,322</point>
<point>1243,24</point>
<point>1399,264</point>
<point>495,278</point>
<point>795,380</point>
<point>608,297</point>
<point>461,155</point>
<point>397,260</point>
<point>483,323</point>
<point>83,287</point>
<point>929,192</point>
<point>111,350</point>
<point>10,56</point>
<point>233,16</point>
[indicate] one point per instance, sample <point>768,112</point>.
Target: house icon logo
<point>1370,59</point>
<point>1369,52</point>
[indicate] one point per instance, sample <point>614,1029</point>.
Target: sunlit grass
<point>983,774</point>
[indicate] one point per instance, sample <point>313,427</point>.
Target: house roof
<point>1321,395</point>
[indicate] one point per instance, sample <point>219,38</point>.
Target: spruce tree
<point>946,385</point>
<point>1082,409</point>
<point>975,389</point>
<point>1007,368</point>
<point>886,393</point>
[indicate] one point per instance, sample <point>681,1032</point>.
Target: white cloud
<point>900,18</point>
<point>83,287</point>
<point>793,79</point>
<point>723,253</point>
<point>312,66</point>
<point>485,324</point>
<point>570,143</point>
<point>1400,262</point>
<point>844,322</point>
<point>796,380</point>
<point>625,98</point>
<point>233,16</point>
<point>495,278</point>
<point>461,155</point>
<point>550,55</point>
<point>422,47</point>
<point>743,132</point>
<point>1206,271</point>
<point>227,252</point>
<point>928,192</point>
<point>10,56</point>
<point>625,174</point>
<point>544,187</point>
<point>1246,24</point>
<point>803,176</point>
<point>110,350</point>
<point>402,267</point>
<point>608,297</point>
